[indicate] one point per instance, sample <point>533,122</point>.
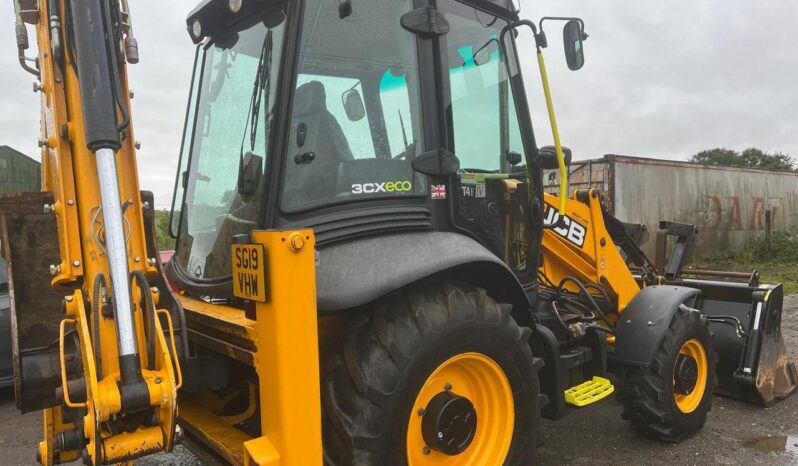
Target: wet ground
<point>735,433</point>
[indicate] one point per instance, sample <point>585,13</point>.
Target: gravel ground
<point>735,433</point>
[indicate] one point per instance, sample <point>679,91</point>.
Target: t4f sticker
<point>438,191</point>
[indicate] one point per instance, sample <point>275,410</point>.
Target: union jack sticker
<point>438,191</point>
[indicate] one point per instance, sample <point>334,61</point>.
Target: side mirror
<point>572,36</point>
<point>548,157</point>
<point>437,162</point>
<point>353,105</point>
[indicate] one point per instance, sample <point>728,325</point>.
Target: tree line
<point>751,158</point>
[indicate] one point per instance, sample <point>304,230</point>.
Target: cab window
<point>355,126</point>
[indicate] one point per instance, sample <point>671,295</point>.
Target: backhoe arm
<point>117,371</point>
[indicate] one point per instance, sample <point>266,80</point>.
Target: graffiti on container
<point>724,213</point>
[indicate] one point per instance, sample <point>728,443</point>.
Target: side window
<point>357,133</point>
<point>185,147</point>
<point>356,112</point>
<point>484,122</point>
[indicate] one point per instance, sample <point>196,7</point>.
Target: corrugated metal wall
<point>18,172</point>
<point>727,204</point>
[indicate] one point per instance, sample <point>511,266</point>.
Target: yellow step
<point>589,392</point>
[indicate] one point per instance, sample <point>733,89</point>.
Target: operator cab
<point>358,119</point>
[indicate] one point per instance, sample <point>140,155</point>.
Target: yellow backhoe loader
<point>360,225</point>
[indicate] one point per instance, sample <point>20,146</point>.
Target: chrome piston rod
<point>116,249</point>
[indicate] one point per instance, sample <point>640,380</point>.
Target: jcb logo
<point>387,187</point>
<point>570,229</point>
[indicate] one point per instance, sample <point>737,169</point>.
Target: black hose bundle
<point>96,311</point>
<point>139,277</point>
<point>583,291</point>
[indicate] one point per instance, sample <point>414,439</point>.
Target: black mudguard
<point>644,323</point>
<point>353,273</point>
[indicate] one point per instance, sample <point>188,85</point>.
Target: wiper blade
<point>259,87</point>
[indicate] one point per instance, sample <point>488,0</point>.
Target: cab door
<point>491,191</point>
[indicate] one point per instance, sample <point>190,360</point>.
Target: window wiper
<point>259,87</point>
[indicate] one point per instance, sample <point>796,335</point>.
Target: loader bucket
<point>753,364</point>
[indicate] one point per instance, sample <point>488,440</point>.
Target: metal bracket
<point>29,11</point>
<point>427,22</point>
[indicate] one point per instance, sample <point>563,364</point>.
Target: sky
<point>661,79</point>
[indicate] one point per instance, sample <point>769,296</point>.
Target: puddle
<point>774,443</point>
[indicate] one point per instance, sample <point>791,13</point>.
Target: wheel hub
<point>685,375</point>
<point>449,423</point>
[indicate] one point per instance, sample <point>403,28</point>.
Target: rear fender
<point>354,273</point>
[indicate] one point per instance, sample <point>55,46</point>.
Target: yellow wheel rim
<point>695,350</point>
<point>479,379</point>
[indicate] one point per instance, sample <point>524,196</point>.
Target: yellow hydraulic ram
<point>118,377</point>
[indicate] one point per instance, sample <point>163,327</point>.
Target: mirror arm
<point>556,133</point>
<point>550,107</point>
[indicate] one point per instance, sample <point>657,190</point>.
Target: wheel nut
<point>447,386</point>
<point>426,450</point>
<point>421,411</point>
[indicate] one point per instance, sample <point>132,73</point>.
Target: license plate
<point>249,272</point>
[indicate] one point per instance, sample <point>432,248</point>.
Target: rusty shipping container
<point>728,204</point>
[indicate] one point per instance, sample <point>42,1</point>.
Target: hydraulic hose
<point>141,280</point>
<point>96,310</point>
<point>589,297</point>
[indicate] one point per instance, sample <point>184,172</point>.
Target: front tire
<point>670,399</point>
<point>429,346</point>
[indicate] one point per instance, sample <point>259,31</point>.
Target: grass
<point>779,264</point>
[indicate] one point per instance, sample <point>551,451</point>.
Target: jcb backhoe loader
<point>346,288</point>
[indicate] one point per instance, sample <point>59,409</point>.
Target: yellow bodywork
<point>287,357</point>
<point>596,260</point>
<point>280,340</point>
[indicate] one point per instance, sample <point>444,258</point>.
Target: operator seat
<point>314,180</point>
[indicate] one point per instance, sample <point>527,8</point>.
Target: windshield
<point>229,148</point>
<point>356,123</point>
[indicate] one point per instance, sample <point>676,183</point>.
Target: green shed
<point>18,172</point>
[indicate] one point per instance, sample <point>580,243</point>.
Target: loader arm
<point>591,246</point>
<point>583,245</point>
<point>106,373</point>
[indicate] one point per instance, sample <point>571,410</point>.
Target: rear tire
<point>658,405</point>
<point>373,388</point>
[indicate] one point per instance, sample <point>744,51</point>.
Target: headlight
<point>196,30</point>
<point>235,5</point>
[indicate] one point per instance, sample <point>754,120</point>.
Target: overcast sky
<point>661,79</point>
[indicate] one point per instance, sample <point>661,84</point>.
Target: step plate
<point>589,392</point>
